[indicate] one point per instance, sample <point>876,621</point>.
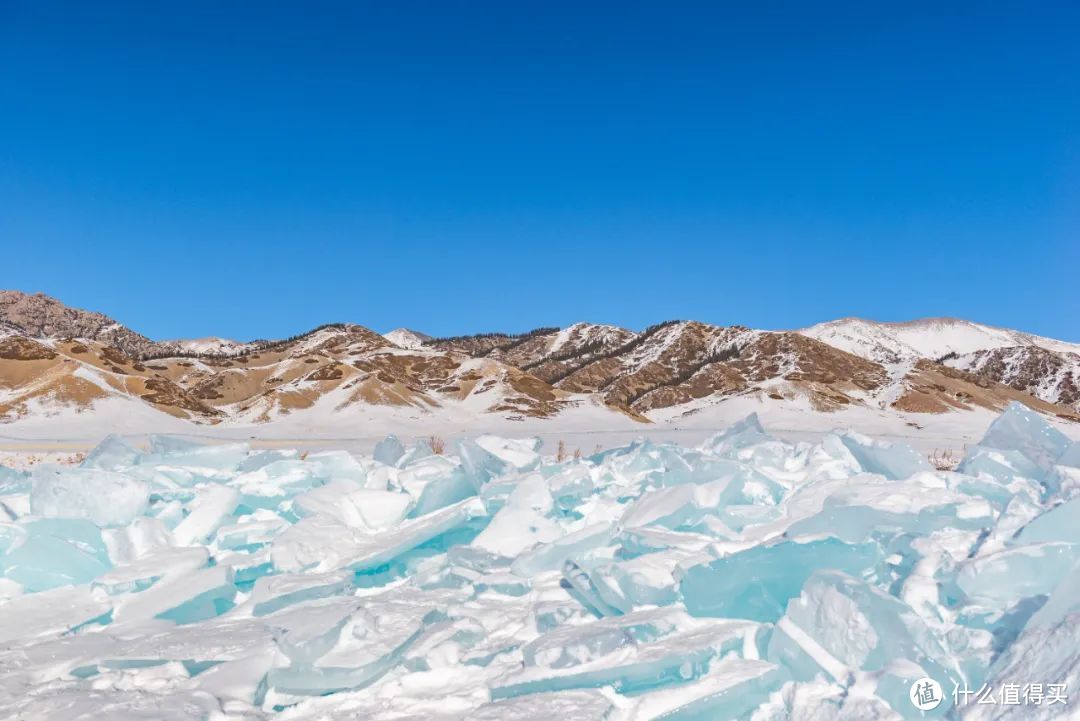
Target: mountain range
<point>57,361</point>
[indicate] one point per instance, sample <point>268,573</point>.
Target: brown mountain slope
<point>1052,376</point>
<point>46,366</point>
<point>39,316</point>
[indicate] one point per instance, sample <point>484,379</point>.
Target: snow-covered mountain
<point>930,338</point>
<point>208,345</point>
<point>405,338</point>
<point>1047,369</point>
<point>56,360</point>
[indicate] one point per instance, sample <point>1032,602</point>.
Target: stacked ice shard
<point>746,579</point>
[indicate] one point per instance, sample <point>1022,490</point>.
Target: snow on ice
<point>745,579</point>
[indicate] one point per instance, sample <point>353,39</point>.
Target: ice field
<point>746,578</point>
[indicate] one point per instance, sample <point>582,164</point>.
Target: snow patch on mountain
<point>405,338</point>
<point>930,338</point>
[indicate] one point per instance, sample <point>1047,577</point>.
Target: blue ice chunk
<point>741,434</point>
<point>480,465</point>
<point>1004,465</point>
<point>380,635</point>
<point>568,646</point>
<point>1048,647</point>
<point>164,444</point>
<point>104,497</point>
<point>758,582</point>
<point>1060,523</point>
<point>551,556</point>
<point>565,706</point>
<point>1006,577</point>
<point>389,450</point>
<point>1062,601</point>
<point>892,460</point>
<point>176,451</point>
<point>113,453</point>
<point>185,598</point>
<point>418,451</point>
<point>273,593</point>
<point>876,507</point>
<point>442,491</point>
<point>12,481</point>
<point>672,659</point>
<point>56,552</point>
<point>839,624</point>
<point>337,465</point>
<point>1021,429</point>
<point>732,689</point>
<point>585,590</point>
<point>1071,456</point>
<point>257,460</point>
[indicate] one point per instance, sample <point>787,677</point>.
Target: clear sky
<point>254,169</point>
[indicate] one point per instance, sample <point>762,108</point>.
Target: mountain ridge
<point>55,359</point>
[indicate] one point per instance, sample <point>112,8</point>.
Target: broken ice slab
<point>444,490</point>
<point>238,683</point>
<point>320,543</point>
<point>1060,523</point>
<point>87,704</point>
<point>740,434</point>
<point>307,631</point>
<point>551,556</point>
<point>12,481</point>
<point>140,574</point>
<point>758,582</point>
<point>1004,578</point>
<point>731,688</point>
<point>50,612</point>
<point>416,452</point>
<point>55,552</point>
<point>112,454</point>
<point>713,486</point>
<point>564,706</point>
<point>634,668</point>
<point>488,457</point>
<point>1003,465</point>
<point>646,580</point>
<point>839,624</point>
<point>314,544</point>
<point>142,536</point>
<point>354,506</point>
<point>371,643</point>
<point>389,450</point>
<point>212,506</point>
<point>1021,429</point>
<point>177,451</point>
<point>919,504</point>
<point>435,482</point>
<point>339,465</point>
<point>523,521</point>
<point>597,596</point>
<point>184,598</point>
<point>895,461</point>
<point>640,541</point>
<point>247,566</point>
<point>270,485</point>
<point>1047,648</point>
<point>272,593</point>
<point>251,531</point>
<point>104,497</point>
<point>574,645</point>
<point>259,459</point>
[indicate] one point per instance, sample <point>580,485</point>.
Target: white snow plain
<point>747,578</point>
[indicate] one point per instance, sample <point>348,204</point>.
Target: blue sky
<point>254,170</point>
